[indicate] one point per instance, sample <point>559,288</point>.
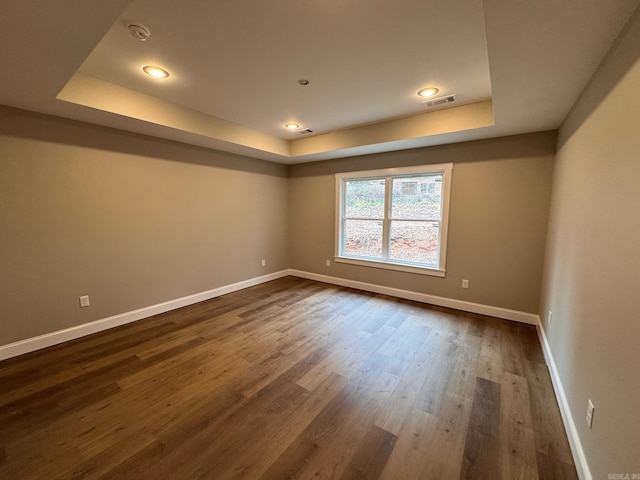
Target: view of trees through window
<point>412,222</point>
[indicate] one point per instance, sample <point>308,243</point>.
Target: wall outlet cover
<point>84,301</point>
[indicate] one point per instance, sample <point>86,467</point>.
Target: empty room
<point>339,240</point>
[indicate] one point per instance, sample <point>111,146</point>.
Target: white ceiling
<point>516,66</point>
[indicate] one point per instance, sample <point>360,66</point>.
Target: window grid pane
<point>363,238</point>
<point>364,198</point>
<point>414,242</point>
<point>417,197</point>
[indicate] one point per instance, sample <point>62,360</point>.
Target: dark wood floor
<point>290,379</point>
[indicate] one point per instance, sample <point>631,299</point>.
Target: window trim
<point>387,174</point>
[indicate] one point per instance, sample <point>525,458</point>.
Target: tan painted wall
<point>129,220</point>
<point>498,219</point>
<point>592,274</point>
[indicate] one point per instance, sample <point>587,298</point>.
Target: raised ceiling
<point>241,61</point>
<point>516,67</point>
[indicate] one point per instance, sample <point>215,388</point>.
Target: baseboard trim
<point>579,457</point>
<point>49,339</point>
<point>499,312</point>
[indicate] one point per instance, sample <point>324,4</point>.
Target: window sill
<point>434,272</point>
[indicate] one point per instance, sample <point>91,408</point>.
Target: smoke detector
<point>139,31</point>
<point>436,102</point>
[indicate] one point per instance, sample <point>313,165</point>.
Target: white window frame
<point>388,174</point>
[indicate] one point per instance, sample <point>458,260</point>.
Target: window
<point>394,218</point>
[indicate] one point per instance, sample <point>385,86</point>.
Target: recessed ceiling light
<point>292,126</point>
<point>155,72</point>
<point>428,92</point>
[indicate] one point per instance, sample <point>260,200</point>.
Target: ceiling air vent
<point>436,102</point>
<point>305,131</point>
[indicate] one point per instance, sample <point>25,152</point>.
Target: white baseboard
<point>579,457</point>
<point>499,312</point>
<point>60,336</point>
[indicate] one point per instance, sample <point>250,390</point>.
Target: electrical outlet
<point>590,409</point>
<point>84,301</point>
<point>550,317</point>
<point>465,283</point>
<point>264,263</point>
<point>327,263</point>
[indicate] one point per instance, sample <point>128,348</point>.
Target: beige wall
<point>129,220</point>
<point>592,274</point>
<point>498,219</point>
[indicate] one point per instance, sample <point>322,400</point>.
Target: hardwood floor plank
<point>400,311</point>
<point>341,427</point>
<point>40,409</point>
<point>262,373</point>
<point>378,312</point>
<point>491,362</point>
<point>168,343</point>
<point>371,456</point>
<point>225,449</point>
<point>362,351</point>
<point>407,460</point>
<point>202,427</point>
<point>402,403</point>
<point>99,458</point>
<point>65,381</point>
<point>42,363</point>
<point>517,445</point>
<point>199,354</point>
<point>159,403</point>
<point>206,451</point>
<point>476,323</point>
<point>331,363</point>
<point>274,430</point>
<point>550,468</point>
<point>482,445</point>
<point>446,448</point>
<point>530,344</point>
<point>35,460</point>
<point>288,379</point>
<point>439,373</point>
<point>404,344</point>
<point>294,459</point>
<point>407,393</point>
<point>367,387</point>
<point>463,377</point>
<point>174,435</point>
<point>512,350</point>
<point>42,415</point>
<point>549,434</point>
